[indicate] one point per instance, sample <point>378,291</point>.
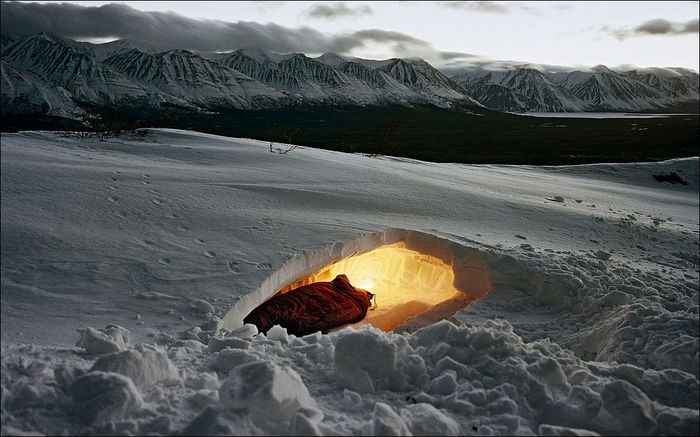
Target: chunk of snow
<point>203,306</point>
<point>268,391</point>
<point>111,338</point>
<point>386,422</point>
<point>363,357</point>
<point>104,397</point>
<point>227,359</point>
<point>144,364</point>
<point>425,419</point>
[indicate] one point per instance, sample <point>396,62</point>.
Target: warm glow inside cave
<point>405,282</point>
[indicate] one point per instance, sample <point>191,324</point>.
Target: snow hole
<point>418,278</point>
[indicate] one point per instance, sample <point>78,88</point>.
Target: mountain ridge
<point>50,74</point>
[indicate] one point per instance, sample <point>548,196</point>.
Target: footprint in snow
<point>555,199</point>
<point>209,254</point>
<point>120,214</point>
<point>113,199</point>
<point>232,266</point>
<point>164,261</point>
<point>114,187</point>
<point>199,240</point>
<point>157,201</point>
<point>145,182</point>
<point>520,236</point>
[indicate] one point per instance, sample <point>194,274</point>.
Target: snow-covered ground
<point>592,322</point>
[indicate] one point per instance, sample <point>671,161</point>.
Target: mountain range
<point>49,74</point>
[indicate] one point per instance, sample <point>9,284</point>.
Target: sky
<point>447,34</point>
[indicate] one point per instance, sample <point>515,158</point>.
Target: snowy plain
<point>591,326</point>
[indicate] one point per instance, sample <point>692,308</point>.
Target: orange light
<point>405,282</point>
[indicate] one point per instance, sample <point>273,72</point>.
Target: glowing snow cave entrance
<point>417,278</point>
<point>404,282</point>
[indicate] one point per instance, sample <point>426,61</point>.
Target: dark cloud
<point>163,30</point>
<point>337,10</point>
<point>657,26</point>
<point>478,6</point>
<point>167,30</point>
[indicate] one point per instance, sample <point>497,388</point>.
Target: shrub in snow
<point>144,364</point>
<point>270,393</point>
<point>104,397</point>
<point>111,338</point>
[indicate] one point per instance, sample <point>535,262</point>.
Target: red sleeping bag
<point>314,307</point>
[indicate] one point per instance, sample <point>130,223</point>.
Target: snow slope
<point>592,323</point>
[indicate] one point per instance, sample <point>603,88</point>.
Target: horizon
<point>449,35</point>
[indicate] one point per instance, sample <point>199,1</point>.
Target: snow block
<point>111,338</point>
<point>270,393</point>
<point>203,306</point>
<point>104,397</point>
<point>385,421</point>
<point>246,331</point>
<point>362,356</point>
<point>228,359</point>
<point>144,364</point>
<point>424,419</point>
<point>630,410</point>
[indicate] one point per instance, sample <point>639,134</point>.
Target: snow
<point>559,340</point>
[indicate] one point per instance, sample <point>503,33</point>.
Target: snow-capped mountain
<point>334,78</point>
<point>47,71</point>
<point>61,72</point>
<point>50,74</point>
<point>523,89</point>
<point>192,78</point>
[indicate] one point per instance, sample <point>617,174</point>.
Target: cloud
<point>162,30</point>
<point>478,6</point>
<point>657,26</point>
<point>337,10</point>
<point>167,30</point>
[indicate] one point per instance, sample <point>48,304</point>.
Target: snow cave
<point>416,278</point>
